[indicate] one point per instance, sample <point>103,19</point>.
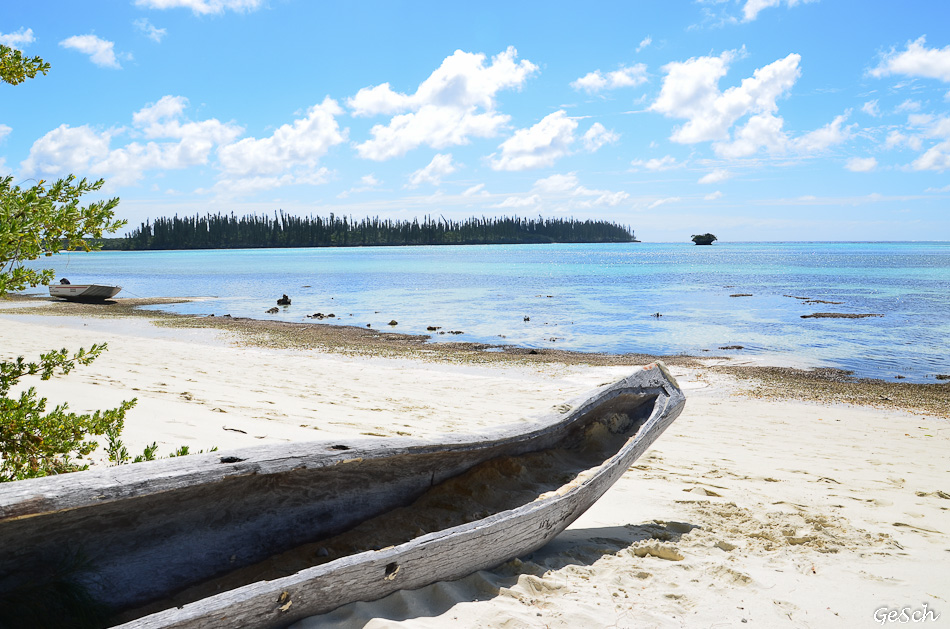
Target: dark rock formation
<point>283,301</point>
<point>704,239</point>
<point>273,310</point>
<point>839,315</point>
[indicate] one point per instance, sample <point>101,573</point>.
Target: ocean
<point>648,298</point>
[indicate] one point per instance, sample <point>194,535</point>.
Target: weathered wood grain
<point>151,529</point>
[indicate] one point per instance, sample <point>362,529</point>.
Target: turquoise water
<point>586,297</point>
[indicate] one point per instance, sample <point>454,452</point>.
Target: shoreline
<point>759,503</point>
<point>819,384</point>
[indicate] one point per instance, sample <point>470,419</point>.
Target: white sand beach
<point>766,512</point>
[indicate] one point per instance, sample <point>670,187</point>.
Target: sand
<point>752,508</point>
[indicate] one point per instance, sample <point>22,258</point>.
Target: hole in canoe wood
<point>485,489</point>
<point>391,570</point>
<point>340,447</point>
<point>231,459</point>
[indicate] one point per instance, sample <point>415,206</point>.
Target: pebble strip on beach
<point>820,385</point>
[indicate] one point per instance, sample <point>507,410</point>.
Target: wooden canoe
<point>265,536</point>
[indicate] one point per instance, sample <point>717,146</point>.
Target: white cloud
<point>712,196</point>
<point>566,188</point>
<point>537,146</point>
<point>691,91</point>
<point>101,52</point>
<point>516,202</point>
<point>827,136</point>
<point>646,41</point>
<point>476,190</point>
<point>4,131</point>
<point>666,162</point>
<point>241,186</point>
<point>556,184</point>
<point>163,138</point>
<point>752,7</point>
<point>919,120</point>
<point>297,146</point>
<point>563,192</point>
<point>908,105</point>
<point>597,136</point>
<point>660,202</point>
<point>19,39</point>
<point>720,174</point>
<point>624,77</point>
<point>456,102</point>
<point>936,158</point>
<point>203,7</point>
<point>67,149</point>
<point>174,143</point>
<point>368,183</point>
<point>861,164</point>
<point>895,139</point>
<point>440,166</point>
<point>871,108</point>
<point>165,119</point>
<point>155,34</point>
<point>762,131</point>
<point>916,60</point>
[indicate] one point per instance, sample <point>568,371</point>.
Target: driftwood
<point>149,530</point>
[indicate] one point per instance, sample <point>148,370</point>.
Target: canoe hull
<point>83,292</point>
<point>234,506</point>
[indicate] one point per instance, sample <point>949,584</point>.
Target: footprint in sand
<point>701,491</point>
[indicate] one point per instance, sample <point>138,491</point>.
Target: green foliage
<point>42,220</point>
<point>15,68</point>
<point>38,221</point>
<point>37,443</point>
<point>119,455</point>
<point>222,231</point>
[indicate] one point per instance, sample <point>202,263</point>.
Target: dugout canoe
<point>265,536</point>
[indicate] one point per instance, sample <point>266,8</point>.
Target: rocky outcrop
<point>704,239</point>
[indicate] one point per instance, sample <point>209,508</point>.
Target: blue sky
<point>751,119</point>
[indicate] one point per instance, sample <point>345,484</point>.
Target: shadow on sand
<point>573,547</point>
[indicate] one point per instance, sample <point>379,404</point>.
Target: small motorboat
<point>83,292</point>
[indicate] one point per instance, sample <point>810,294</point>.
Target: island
<point>704,239</point>
<point>228,231</point>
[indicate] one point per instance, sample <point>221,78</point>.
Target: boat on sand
<point>83,292</point>
<point>268,535</point>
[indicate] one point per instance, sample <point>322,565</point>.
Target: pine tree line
<point>223,231</point>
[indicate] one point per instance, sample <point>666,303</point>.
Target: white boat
<point>83,292</point>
